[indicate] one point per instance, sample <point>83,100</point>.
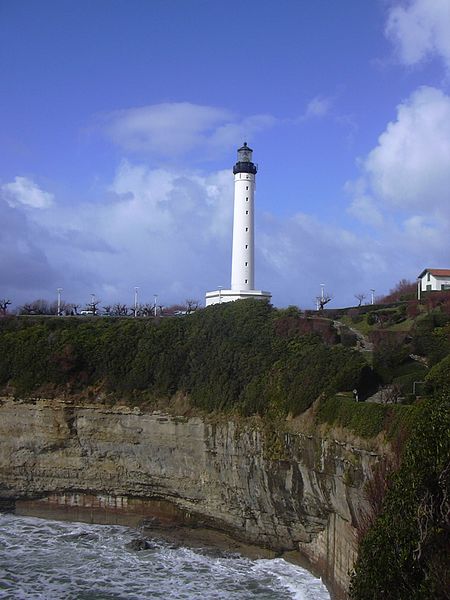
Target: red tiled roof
<point>436,272</point>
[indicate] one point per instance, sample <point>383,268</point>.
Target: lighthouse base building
<point>243,253</point>
<point>220,296</point>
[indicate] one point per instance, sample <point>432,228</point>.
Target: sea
<point>55,560</point>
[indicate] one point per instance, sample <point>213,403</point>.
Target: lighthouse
<point>243,247</point>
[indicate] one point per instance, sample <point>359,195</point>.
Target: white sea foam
<point>55,560</point>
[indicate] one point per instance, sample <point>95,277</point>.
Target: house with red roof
<point>433,280</point>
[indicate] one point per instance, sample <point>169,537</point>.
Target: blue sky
<point>119,123</point>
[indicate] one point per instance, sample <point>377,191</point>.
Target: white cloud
<point>365,210</point>
<point>409,169</point>
<point>173,129</point>
<point>24,191</point>
<point>403,190</point>
<point>166,231</point>
<point>420,30</point>
<point>319,106</point>
<point>301,252</point>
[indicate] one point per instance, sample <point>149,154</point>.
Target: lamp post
<point>322,288</point>
<point>59,290</point>
<point>372,291</point>
<point>155,296</point>
<point>136,289</point>
<point>220,293</point>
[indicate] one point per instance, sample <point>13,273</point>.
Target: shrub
<point>439,377</point>
<point>405,554</point>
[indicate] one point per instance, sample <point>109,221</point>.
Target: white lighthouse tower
<point>243,254</point>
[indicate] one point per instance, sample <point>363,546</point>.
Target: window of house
<point>429,288</point>
<point>428,276</point>
<point>246,199</point>
<point>246,246</point>
<point>246,212</point>
<point>246,189</point>
<point>246,281</point>
<point>246,264</point>
<point>246,229</point>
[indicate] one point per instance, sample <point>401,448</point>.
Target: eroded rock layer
<point>301,493</point>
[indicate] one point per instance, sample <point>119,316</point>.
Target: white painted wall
<point>435,282</point>
<point>243,253</point>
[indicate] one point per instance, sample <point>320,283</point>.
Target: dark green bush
<point>406,553</point>
<point>244,356</point>
<point>439,377</point>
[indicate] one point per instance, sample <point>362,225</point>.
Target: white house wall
<point>435,282</point>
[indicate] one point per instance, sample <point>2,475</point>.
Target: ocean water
<point>53,560</point>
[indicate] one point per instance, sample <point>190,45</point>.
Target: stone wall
<point>305,496</point>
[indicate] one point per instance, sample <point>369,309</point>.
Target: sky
<point>120,120</point>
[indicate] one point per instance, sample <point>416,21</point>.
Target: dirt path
<point>362,342</point>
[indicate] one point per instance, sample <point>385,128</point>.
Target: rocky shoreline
<point>285,491</point>
<point>169,525</point>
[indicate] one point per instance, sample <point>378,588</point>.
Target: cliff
<point>297,492</point>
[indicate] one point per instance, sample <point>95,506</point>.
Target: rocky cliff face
<point>297,492</point>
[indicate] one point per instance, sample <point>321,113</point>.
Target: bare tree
<point>191,305</point>
<point>4,303</point>
<point>37,307</point>
<point>65,308</point>
<point>107,309</point>
<point>146,310</point>
<point>92,306</point>
<point>174,310</point>
<point>360,297</point>
<point>323,300</point>
<point>120,310</point>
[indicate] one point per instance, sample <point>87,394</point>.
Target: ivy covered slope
<point>243,356</point>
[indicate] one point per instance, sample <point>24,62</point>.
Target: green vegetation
<point>249,358</point>
<point>244,356</point>
<point>366,420</point>
<point>405,554</point>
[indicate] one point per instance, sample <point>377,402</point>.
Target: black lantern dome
<point>244,161</point>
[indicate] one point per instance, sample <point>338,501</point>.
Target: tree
<point>174,310</point>
<point>92,306</point>
<point>37,307</point>
<point>191,305</point>
<point>4,303</point>
<point>321,301</point>
<point>119,310</point>
<point>360,297</point>
<point>403,290</point>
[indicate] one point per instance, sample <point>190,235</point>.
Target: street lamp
<point>155,296</point>
<point>59,290</point>
<point>322,287</point>
<point>219,287</point>
<point>372,291</point>
<point>136,289</point>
